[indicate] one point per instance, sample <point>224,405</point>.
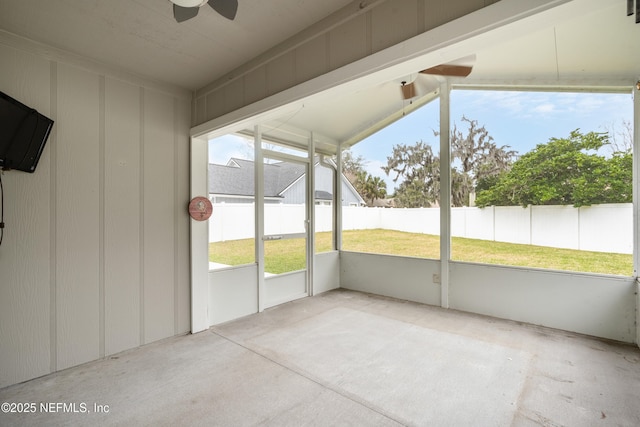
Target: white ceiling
<point>141,36</point>
<point>582,43</point>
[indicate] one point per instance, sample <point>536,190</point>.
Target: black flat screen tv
<point>23,135</point>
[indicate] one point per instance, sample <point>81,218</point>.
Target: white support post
<point>636,179</point>
<point>259,212</point>
<point>311,205</point>
<point>199,239</point>
<point>337,208</point>
<point>445,194</point>
<point>636,200</point>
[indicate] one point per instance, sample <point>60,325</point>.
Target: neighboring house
<point>283,183</point>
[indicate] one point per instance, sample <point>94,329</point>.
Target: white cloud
<point>228,146</point>
<point>544,109</point>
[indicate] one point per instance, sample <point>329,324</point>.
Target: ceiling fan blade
<point>226,8</point>
<point>183,13</point>
<point>408,90</point>
<point>449,70</point>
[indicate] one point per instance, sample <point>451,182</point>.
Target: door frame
<point>309,162</point>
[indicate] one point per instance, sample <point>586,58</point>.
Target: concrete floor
<point>347,358</point>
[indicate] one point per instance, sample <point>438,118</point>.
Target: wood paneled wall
<point>342,38</point>
<point>95,256</point>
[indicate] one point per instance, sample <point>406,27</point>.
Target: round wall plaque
<point>200,208</point>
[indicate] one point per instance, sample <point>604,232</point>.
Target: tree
<point>565,171</point>
<point>371,188</point>
<point>352,166</point>
<point>620,138</point>
<point>419,169</point>
<point>476,158</point>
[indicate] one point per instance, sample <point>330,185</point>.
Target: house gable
<point>235,180</point>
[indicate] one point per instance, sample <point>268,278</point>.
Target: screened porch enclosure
<point>328,119</point>
<point>600,305</point>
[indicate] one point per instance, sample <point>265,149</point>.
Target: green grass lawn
<point>288,255</point>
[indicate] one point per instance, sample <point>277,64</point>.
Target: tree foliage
<point>371,188</point>
<point>419,169</point>
<point>352,166</point>
<point>476,159</point>
<point>620,137</point>
<point>565,171</point>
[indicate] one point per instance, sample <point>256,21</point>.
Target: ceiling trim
<point>283,133</point>
<point>622,85</point>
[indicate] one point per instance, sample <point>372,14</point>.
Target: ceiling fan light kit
<point>189,3</point>
<point>408,90</point>
<point>630,9</point>
<point>187,9</point>
<point>419,86</point>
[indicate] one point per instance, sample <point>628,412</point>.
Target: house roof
<point>237,177</point>
<point>323,195</point>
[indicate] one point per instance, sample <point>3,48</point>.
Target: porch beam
<point>546,85</point>
<point>636,199</point>
<point>337,208</point>
<point>259,213</point>
<point>310,217</point>
<point>445,193</point>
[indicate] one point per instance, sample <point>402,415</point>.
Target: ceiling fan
<point>427,80</point>
<point>187,9</point>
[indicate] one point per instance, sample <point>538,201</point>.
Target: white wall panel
<point>311,59</point>
<point>393,276</point>
<point>233,95</point>
<point>233,293</point>
<point>348,41</point>
<point>215,102</point>
<point>438,12</point>
<point>122,261</point>
<point>77,216</point>
<point>71,263</point>
<point>393,22</point>
<point>280,72</point>
<point>326,272</point>
<point>588,304</point>
<point>158,211</point>
<point>284,287</point>
<point>200,107</point>
<point>255,84</point>
<point>343,38</point>
<point>25,252</point>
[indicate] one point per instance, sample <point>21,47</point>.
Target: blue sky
<point>518,119</point>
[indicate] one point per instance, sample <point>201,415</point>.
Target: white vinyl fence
<point>602,228</point>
